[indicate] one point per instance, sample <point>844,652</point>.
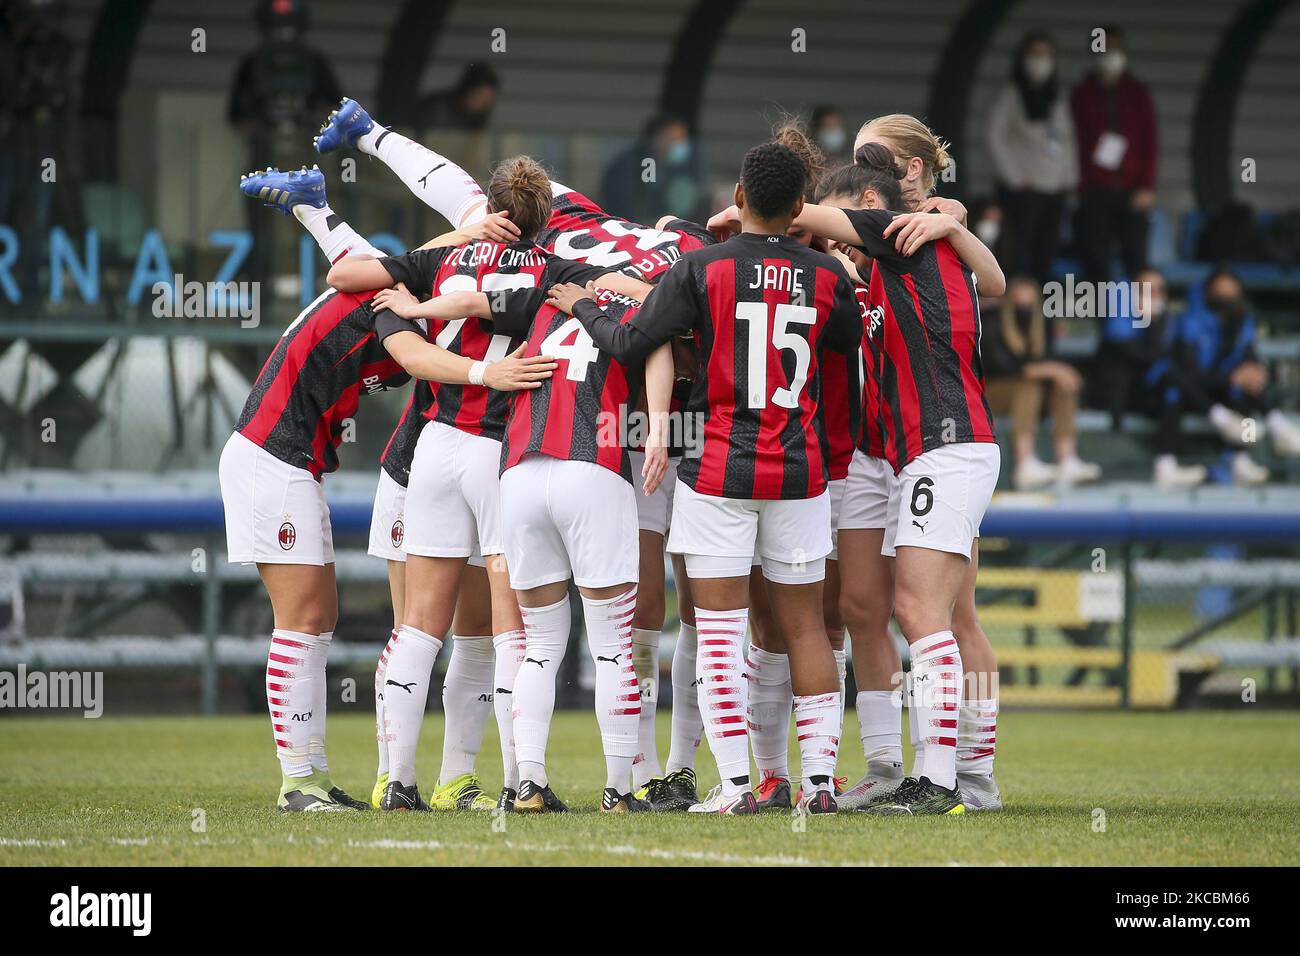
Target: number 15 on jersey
<point>783,339</point>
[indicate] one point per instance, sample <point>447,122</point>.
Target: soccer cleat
<point>773,794</point>
<point>534,799</point>
<point>654,788</point>
<point>738,804</point>
<point>402,799</point>
<point>819,801</point>
<point>924,798</point>
<point>837,788</point>
<point>611,801</point>
<point>377,792</point>
<point>343,127</point>
<point>899,792</point>
<point>305,798</point>
<point>343,799</point>
<point>979,792</point>
<point>870,787</point>
<point>462,793</point>
<point>506,802</point>
<point>677,792</point>
<point>283,191</point>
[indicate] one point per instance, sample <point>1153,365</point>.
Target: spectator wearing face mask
<point>661,171</point>
<point>1135,370</point>
<point>466,106</point>
<point>1020,378</point>
<point>1115,131</point>
<point>831,135</point>
<point>1030,138</point>
<point>1220,374</point>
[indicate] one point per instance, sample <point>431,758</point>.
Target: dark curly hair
<point>874,168</point>
<point>773,177</point>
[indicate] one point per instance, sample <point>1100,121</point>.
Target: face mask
<point>1039,68</point>
<point>988,231</point>
<point>1112,63</point>
<point>679,152</point>
<point>832,139</point>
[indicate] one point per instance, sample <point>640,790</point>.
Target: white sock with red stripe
<point>434,179</point>
<point>645,659</point>
<point>817,724</point>
<point>618,692</point>
<point>381,722</point>
<point>720,669</point>
<point>509,648</point>
<point>936,678</point>
<point>770,700</point>
<point>687,725</point>
<point>406,691</point>
<point>290,692</point>
<point>546,632</point>
<point>334,236</point>
<point>977,736</point>
<point>466,703</point>
<point>880,722</point>
<point>317,654</point>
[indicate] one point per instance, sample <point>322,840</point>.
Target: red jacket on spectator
<point>1127,109</point>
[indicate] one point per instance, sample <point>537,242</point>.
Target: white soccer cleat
<point>1246,472</point>
<point>1170,475</point>
<point>979,792</point>
<point>738,804</point>
<point>870,787</point>
<point>1032,474</point>
<point>1076,471</point>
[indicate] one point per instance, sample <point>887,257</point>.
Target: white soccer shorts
<point>276,513</point>
<point>453,499</point>
<point>940,498</point>
<point>567,519</point>
<point>866,493</point>
<point>653,513</point>
<point>720,536</point>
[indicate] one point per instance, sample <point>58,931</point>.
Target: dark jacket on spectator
<point>1127,109</point>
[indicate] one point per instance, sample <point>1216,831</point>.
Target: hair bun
<point>877,158</point>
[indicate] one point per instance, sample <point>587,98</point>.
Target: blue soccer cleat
<point>283,191</point>
<point>343,127</point>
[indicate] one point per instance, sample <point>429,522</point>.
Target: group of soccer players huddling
<point>816,458</point>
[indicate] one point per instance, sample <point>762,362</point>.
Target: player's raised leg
<point>301,193</point>
<point>434,179</point>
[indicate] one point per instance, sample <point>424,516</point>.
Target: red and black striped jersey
<point>872,440</point>
<point>580,230</point>
<point>481,266</point>
<point>931,374</point>
<point>761,308</point>
<point>841,409</point>
<point>329,357</point>
<point>396,459</point>
<point>581,413</point>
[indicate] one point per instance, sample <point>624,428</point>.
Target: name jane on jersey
<point>779,278</point>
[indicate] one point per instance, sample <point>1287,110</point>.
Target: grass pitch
<point>1175,789</point>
